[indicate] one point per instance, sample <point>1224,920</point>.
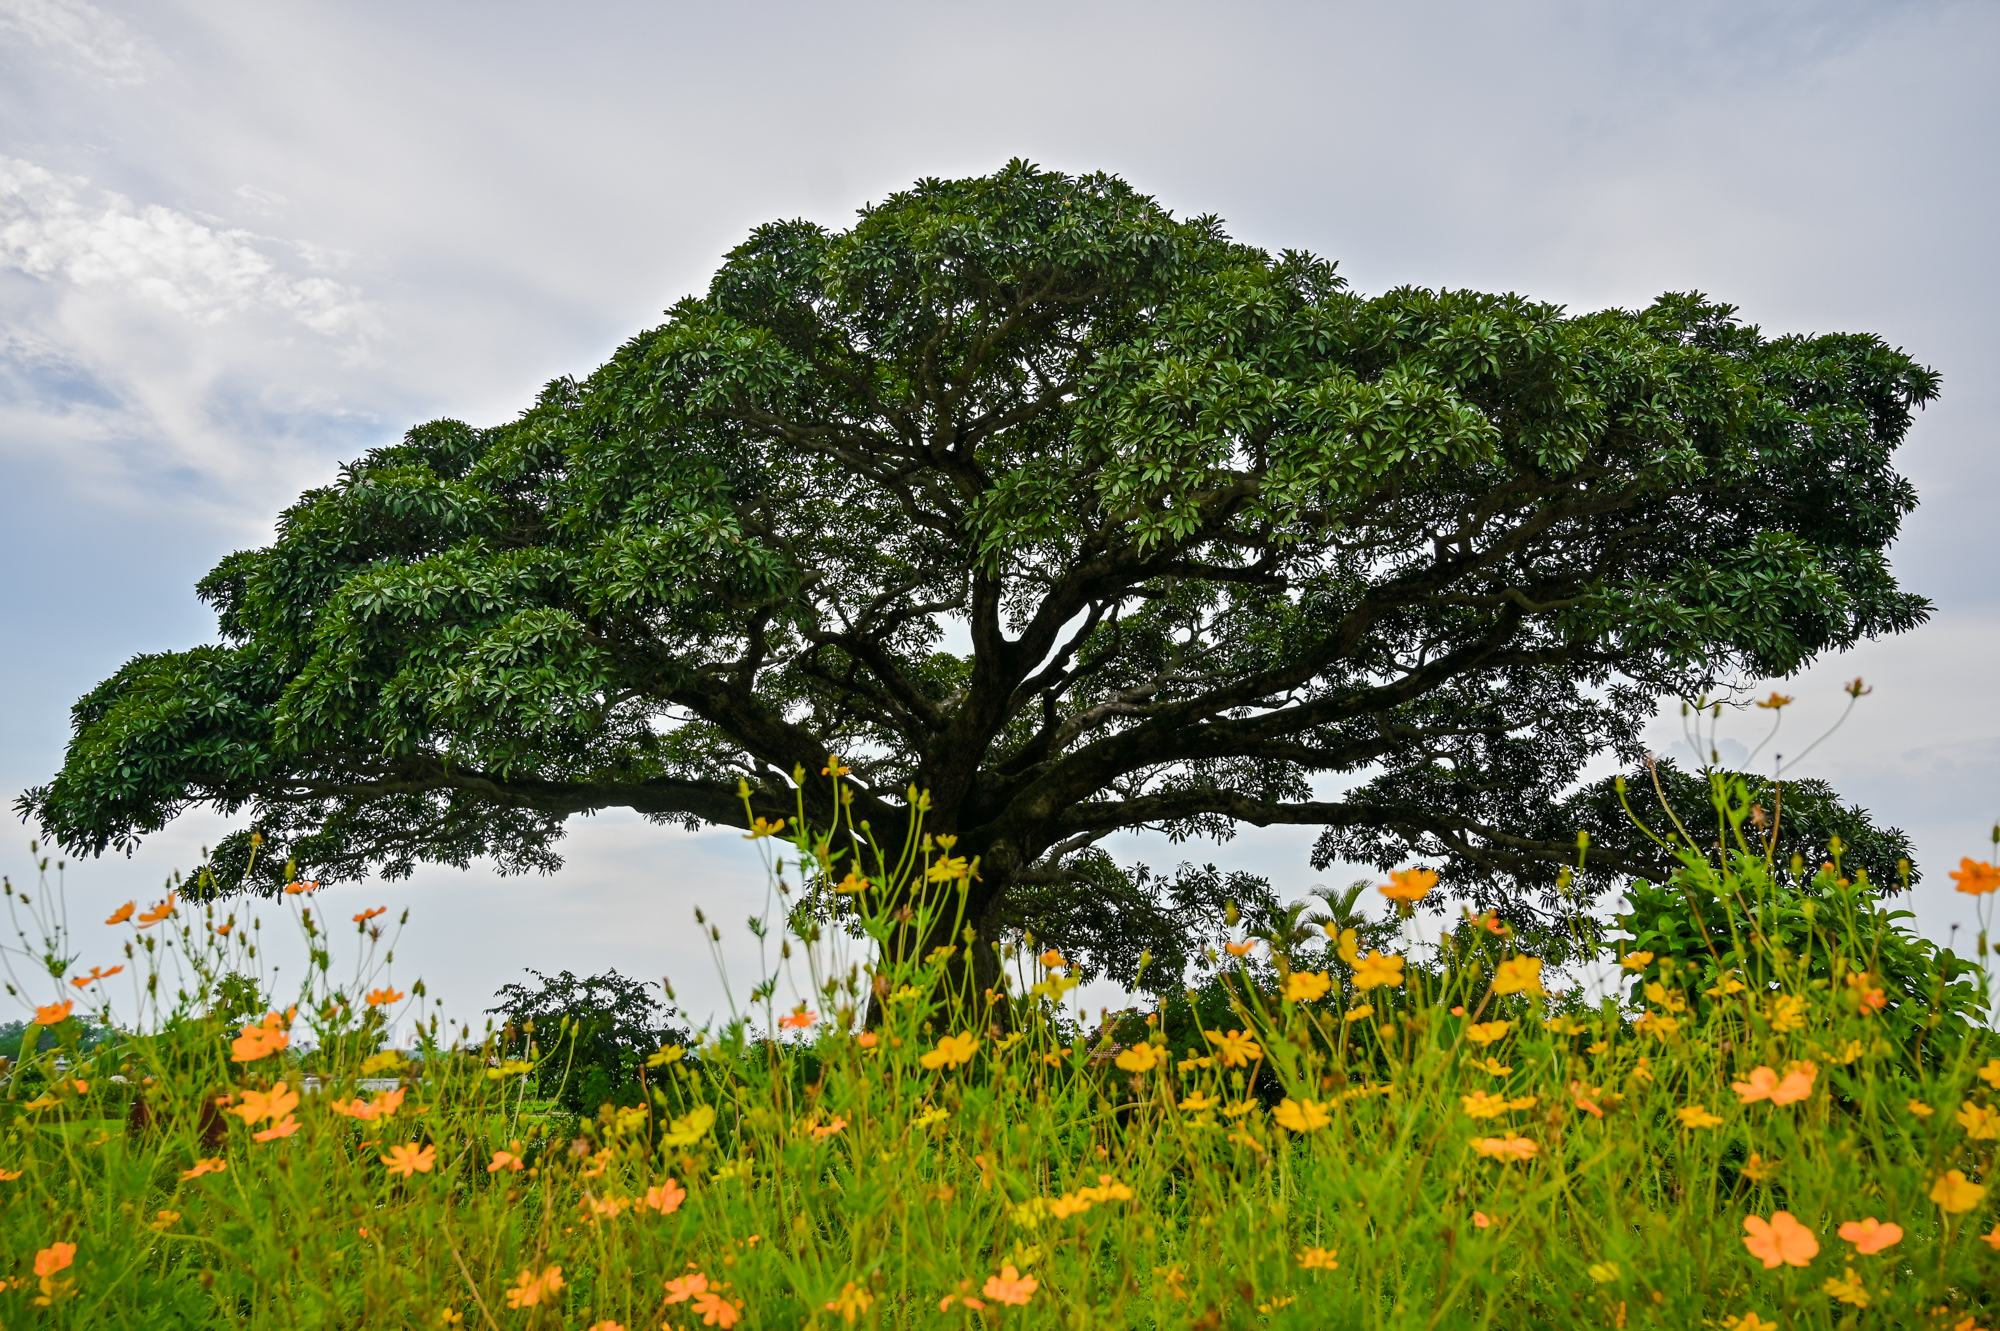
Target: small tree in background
<point>596,1032</point>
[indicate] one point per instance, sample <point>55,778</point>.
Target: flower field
<point>1787,1118</point>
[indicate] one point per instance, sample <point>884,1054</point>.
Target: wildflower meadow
<point>1783,1113</point>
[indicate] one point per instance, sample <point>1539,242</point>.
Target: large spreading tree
<point>1074,515</point>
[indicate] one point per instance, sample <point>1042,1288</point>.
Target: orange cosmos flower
<point>157,913</point>
<point>1779,1241</point>
<point>1319,1259</point>
<point>260,1040</point>
<point>256,1106</point>
<point>9,1175</point>
<point>276,1130</point>
<point>1053,959</point>
<point>1235,1049</point>
<point>667,1198</point>
<point>54,1258</point>
<point>368,915</point>
<point>301,886</point>
<point>85,981</point>
<point>383,997</point>
<point>716,1310</point>
<point>408,1160</point>
<point>1509,1147</point>
<point>607,1326</point>
<point>1992,1240</point>
<point>123,913</point>
<point>1976,877</point>
<point>385,1105</point>
<point>1010,1286</point>
<point>213,1166</point>
<point>53,1013</point>
<point>1762,1082</point>
<point>1775,701</point>
<point>820,1134</point>
<point>1408,886</point>
<point>867,1039</point>
<point>1797,1085</point>
<point>963,1297</point>
<point>683,1288</point>
<point>1241,949</point>
<point>530,1289</point>
<point>1482,1220</point>
<point>798,1018</point>
<point>1871,1235</point>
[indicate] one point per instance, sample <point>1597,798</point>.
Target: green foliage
<point>599,1032</point>
<point>1142,929</point>
<point>1803,819</point>
<point>1819,931</point>
<point>1220,532</point>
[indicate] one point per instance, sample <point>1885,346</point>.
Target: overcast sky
<point>241,242</point>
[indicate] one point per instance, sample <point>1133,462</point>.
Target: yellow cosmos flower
<point>1697,1116</point>
<point>1486,1032</point>
<point>1307,986</point>
<point>1519,975</point>
<point>1979,1122</point>
<point>1140,1058</point>
<point>1235,1049</point>
<point>1301,1115</point>
<point>1847,1289</point>
<point>951,1051</point>
<point>1376,970</point>
<point>1956,1193</point>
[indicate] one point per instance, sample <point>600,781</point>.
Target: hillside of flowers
<point>1785,1114</point>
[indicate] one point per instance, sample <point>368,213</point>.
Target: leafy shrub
<point>600,1030</point>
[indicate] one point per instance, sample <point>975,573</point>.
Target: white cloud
<point>79,35</point>
<point>54,226</point>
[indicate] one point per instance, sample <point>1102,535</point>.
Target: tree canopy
<point>1076,515</point>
